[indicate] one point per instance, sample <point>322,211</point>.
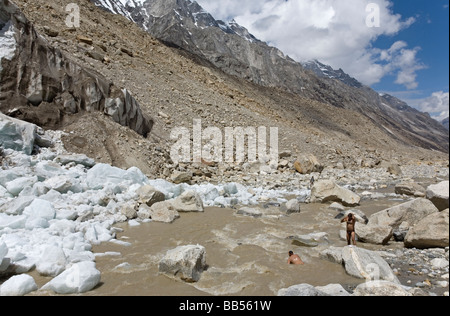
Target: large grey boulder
<point>333,290</point>
<point>438,194</point>
<point>430,232</point>
<point>366,264</point>
<point>374,234</point>
<point>185,262</point>
<point>189,201</point>
<point>301,290</point>
<point>306,164</point>
<point>163,212</point>
<point>410,212</point>
<point>332,254</point>
<point>410,188</point>
<point>149,195</point>
<point>380,288</point>
<point>327,191</point>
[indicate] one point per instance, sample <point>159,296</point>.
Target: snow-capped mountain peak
<point>326,71</point>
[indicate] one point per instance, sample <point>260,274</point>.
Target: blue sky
<point>429,32</point>
<point>406,56</point>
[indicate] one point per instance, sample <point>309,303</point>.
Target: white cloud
<point>332,31</point>
<point>437,105</point>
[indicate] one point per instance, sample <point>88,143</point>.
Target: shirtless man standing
<point>351,235</point>
<point>294,259</point>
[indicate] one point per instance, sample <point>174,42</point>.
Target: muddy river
<point>246,256</point>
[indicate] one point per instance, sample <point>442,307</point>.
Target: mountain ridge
<point>230,47</point>
<point>175,87</point>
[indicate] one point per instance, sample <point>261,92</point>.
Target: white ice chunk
<point>102,174</point>
<point>80,278</point>
<point>40,209</point>
<point>16,186</point>
<point>18,285</point>
<point>52,261</point>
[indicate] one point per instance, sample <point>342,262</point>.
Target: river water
<point>246,256</point>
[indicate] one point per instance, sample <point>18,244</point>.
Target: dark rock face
<point>231,48</point>
<point>39,84</point>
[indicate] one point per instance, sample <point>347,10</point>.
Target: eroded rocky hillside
<point>173,87</point>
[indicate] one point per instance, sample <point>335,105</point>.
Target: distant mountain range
<point>184,24</point>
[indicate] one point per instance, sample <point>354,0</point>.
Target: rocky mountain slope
<point>173,87</point>
<point>231,48</point>
<point>445,123</point>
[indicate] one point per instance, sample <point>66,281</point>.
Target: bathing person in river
<point>351,235</point>
<point>294,259</point>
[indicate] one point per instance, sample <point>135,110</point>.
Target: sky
<point>400,47</point>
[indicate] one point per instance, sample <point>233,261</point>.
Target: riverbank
<point>59,210</point>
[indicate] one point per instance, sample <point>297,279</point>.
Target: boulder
<point>301,290</point>
<point>410,212</point>
<point>374,234</point>
<point>410,188</point>
<point>366,264</point>
<point>80,278</point>
<point>327,191</point>
<point>333,290</point>
<point>129,211</point>
<point>431,232</point>
<point>394,169</point>
<point>292,206</point>
<point>181,177</point>
<point>310,240</point>
<point>438,194</point>
<point>249,211</point>
<point>149,195</point>
<point>332,254</point>
<point>380,288</point>
<point>18,285</point>
<point>335,206</point>
<point>307,164</point>
<point>184,262</point>
<point>189,201</point>
<point>163,212</point>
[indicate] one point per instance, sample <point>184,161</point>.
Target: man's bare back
<point>295,259</point>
